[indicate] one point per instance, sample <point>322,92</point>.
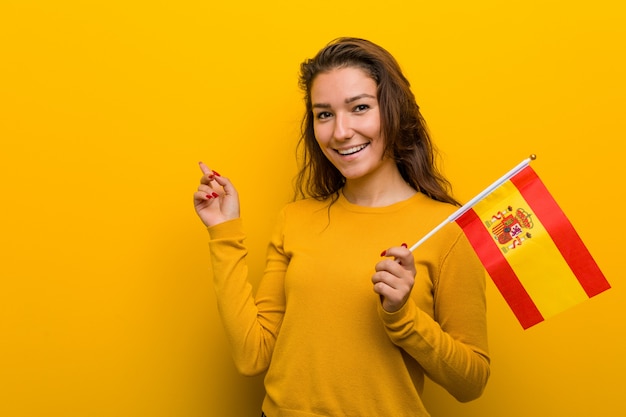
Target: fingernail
<point>383,253</point>
<point>214,194</point>
<point>404,245</point>
<point>217,174</point>
<point>209,196</point>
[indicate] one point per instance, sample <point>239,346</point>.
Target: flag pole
<point>476,199</point>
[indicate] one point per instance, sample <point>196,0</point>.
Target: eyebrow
<point>347,101</point>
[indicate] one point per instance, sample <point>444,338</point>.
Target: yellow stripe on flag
<point>537,262</point>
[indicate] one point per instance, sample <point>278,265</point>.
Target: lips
<point>352,150</point>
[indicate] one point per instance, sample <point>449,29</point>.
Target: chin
<point>353,175</point>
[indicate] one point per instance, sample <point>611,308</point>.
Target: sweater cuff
<point>398,319</point>
<point>227,229</point>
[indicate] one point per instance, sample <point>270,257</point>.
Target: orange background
<point>106,304</point>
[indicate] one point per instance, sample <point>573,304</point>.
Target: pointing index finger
<point>205,169</point>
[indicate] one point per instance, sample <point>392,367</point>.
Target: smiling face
<point>347,122</point>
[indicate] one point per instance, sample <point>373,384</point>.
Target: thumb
<point>226,184</point>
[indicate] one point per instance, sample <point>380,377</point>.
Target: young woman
<point>341,328</point>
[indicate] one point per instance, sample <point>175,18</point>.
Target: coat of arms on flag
<point>511,227</point>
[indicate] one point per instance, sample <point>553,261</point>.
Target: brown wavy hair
<point>403,128</point>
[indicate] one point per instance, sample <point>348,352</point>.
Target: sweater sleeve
<point>452,346</point>
<point>251,323</point>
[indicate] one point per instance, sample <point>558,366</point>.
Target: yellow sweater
<point>318,329</point>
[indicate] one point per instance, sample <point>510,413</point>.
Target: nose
<point>343,129</point>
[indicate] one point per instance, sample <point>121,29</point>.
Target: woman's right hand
<point>216,200</point>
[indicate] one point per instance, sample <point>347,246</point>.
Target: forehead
<point>342,83</point>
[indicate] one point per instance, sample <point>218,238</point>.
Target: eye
<point>323,115</point>
<point>361,108</point>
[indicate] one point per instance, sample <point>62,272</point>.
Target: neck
<point>378,191</point>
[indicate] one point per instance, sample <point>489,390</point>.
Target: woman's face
<point>347,121</point>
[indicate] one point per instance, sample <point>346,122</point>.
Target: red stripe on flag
<point>499,269</point>
<point>561,231</point>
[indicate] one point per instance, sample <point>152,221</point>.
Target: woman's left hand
<point>394,278</point>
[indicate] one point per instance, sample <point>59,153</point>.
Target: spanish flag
<point>528,246</point>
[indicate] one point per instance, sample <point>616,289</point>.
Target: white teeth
<point>352,150</point>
